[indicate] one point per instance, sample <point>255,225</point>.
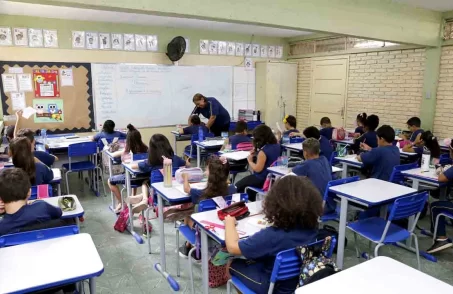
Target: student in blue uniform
<point>324,144</point>
<point>15,190</point>
<point>267,150</point>
<point>326,128</point>
<point>194,126</point>
<point>429,141</point>
<point>38,172</point>
<point>240,136</point>
<point>385,157</point>
<point>360,120</point>
<point>108,132</point>
<point>290,127</point>
<point>292,207</point>
<point>209,107</point>
<point>44,157</point>
<point>413,124</point>
<point>369,138</point>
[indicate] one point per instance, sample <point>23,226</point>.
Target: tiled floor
<point>129,267</point>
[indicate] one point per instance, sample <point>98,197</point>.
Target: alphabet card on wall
<point>48,110</point>
<point>46,83</point>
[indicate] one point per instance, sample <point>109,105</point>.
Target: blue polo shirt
<point>236,139</point>
<point>195,194</point>
<point>382,160</point>
<point>327,132</point>
<point>325,147</point>
<point>193,130</point>
<point>449,174</point>
<point>359,130</point>
<point>272,152</point>
<point>318,170</point>
<point>415,134</point>
<point>369,138</point>
<point>214,107</point>
<point>145,167</point>
<point>115,134</point>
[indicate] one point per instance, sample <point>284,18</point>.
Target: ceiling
<point>438,5</point>
<point>16,8</point>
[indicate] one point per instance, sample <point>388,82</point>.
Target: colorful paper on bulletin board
<point>48,110</point>
<point>46,83</point>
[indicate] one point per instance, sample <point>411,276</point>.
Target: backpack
<point>244,146</point>
<point>315,264</point>
<point>338,134</point>
<point>121,222</point>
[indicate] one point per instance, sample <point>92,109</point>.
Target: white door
<point>328,90</point>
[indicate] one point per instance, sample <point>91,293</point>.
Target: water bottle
<point>168,168</point>
<point>44,136</point>
<point>200,134</point>
<point>285,139</point>
<point>258,116</point>
<point>426,159</point>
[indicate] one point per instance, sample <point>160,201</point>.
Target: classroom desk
<point>178,137</point>
<point>281,170</point>
<point>292,147</point>
<point>218,235</point>
<point>131,173</point>
<point>428,178</point>
<point>350,141</point>
<point>111,163</point>
<point>44,267</point>
<point>173,196</point>
<point>377,276</point>
<point>211,145</point>
<point>235,155</point>
<point>369,192</point>
<point>346,162</point>
<point>78,212</point>
<point>63,142</point>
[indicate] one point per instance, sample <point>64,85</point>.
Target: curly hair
<point>293,203</point>
<point>217,178</point>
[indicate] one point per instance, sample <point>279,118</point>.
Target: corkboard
<point>77,100</point>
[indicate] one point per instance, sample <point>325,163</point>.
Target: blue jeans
<point>437,208</point>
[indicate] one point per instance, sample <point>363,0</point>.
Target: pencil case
<point>195,174</point>
<point>238,210</point>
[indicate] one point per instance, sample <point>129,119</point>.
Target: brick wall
<point>443,120</point>
<point>303,92</point>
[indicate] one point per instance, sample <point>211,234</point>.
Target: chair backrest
<point>139,156</point>
<point>288,263</point>
<point>101,144</point>
<point>209,204</point>
<point>39,191</point>
<point>445,159</point>
<point>296,140</point>
<point>332,157</point>
<point>397,177</point>
<point>338,182</point>
<point>407,206</point>
<point>82,149</point>
<point>38,235</point>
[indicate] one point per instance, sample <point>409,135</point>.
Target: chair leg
<point>370,249</point>
<point>357,251</point>
<point>102,181</point>
<point>229,286</point>
<point>376,249</point>
<point>417,252</point>
<point>148,237</point>
<point>435,228</point>
<point>67,182</point>
<point>177,253</point>
<point>190,268</point>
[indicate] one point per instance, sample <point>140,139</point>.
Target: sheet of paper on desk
<point>199,186</point>
<point>56,173</point>
<point>238,155</point>
<point>213,143</point>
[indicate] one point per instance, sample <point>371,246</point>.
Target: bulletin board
<point>61,94</point>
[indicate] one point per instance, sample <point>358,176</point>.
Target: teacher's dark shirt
<point>214,107</point>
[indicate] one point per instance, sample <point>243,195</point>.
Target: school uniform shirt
<point>382,160</point>
<point>325,148</point>
<point>415,134</point>
<point>195,194</point>
<point>272,152</point>
<point>369,138</point>
<point>214,107</point>
<point>193,130</point>
<point>43,174</point>
<point>44,157</point>
<point>288,132</point>
<point>318,170</point>
<point>237,139</point>
<point>262,248</point>
<point>37,212</point>
<point>104,135</point>
<point>327,132</point>
<point>449,174</point>
<point>145,167</point>
<point>359,130</point>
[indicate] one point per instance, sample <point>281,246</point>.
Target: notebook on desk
<point>199,186</point>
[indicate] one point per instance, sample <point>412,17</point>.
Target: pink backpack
<point>338,134</point>
<point>121,222</point>
<point>244,146</point>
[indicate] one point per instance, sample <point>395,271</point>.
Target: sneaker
<point>194,257</point>
<point>184,251</point>
<point>439,246</point>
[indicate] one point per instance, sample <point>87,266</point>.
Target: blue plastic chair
<point>397,177</point>
<point>286,266</point>
<point>445,159</point>
<point>383,232</point>
<point>332,214</point>
<point>37,235</point>
<point>296,140</point>
<point>192,151</point>
<point>332,158</point>
<point>190,234</point>
<point>87,149</point>
<point>34,192</point>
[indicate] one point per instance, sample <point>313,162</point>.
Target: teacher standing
<point>210,108</point>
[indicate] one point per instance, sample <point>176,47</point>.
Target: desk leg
<point>342,231</point>
<point>176,145</point>
<point>92,283</point>
<point>204,261</point>
<point>288,152</point>
<point>59,188</point>
<point>443,192</point>
<point>198,156</point>
<point>415,184</point>
<point>160,210</point>
<point>344,172</point>
<point>112,208</point>
<point>136,236</point>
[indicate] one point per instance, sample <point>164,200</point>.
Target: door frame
<point>333,57</point>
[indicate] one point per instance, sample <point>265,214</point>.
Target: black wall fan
<point>176,48</point>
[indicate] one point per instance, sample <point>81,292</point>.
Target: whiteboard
<point>149,95</point>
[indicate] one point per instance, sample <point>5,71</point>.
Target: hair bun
<point>130,127</point>
<point>364,115</point>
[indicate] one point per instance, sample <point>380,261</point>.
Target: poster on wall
<point>271,51</point>
<point>48,110</point>
<point>239,49</point>
<point>117,41</point>
<point>231,48</point>
<point>35,38</point>
<point>92,40</point>
<point>66,77</point>
<point>50,38</point>
<point>9,83</point>
<point>5,37</point>
<point>18,100</point>
<point>151,43</point>
<point>129,42</point>
<point>46,83</point>
<point>204,44</point>
<point>20,37</point>
<point>104,41</point>
<point>78,39</point>
<point>24,81</point>
<point>140,42</point>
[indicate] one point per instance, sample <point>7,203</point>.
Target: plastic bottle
<point>258,116</point>
<point>426,159</point>
<point>285,139</point>
<point>44,136</point>
<point>200,134</point>
<point>168,167</point>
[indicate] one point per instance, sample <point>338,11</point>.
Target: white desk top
<point>44,265</point>
<point>281,170</point>
<point>418,174</point>
<point>110,154</point>
<point>293,146</point>
<point>62,142</point>
<point>66,214</point>
<point>377,276</point>
<point>210,143</point>
<point>350,159</point>
<point>371,191</point>
<point>131,170</point>
<point>246,227</point>
<point>171,194</point>
<point>235,155</point>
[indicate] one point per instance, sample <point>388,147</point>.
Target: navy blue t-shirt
<point>359,130</point>
<point>115,134</point>
<point>195,194</point>
<point>145,167</point>
<point>44,157</point>
<point>43,175</point>
<point>272,152</point>
<point>325,147</point>
<point>37,212</point>
<point>415,134</point>
<point>263,246</point>
<point>369,138</point>
<point>327,132</point>
<point>214,107</point>
<point>239,138</point>
<point>193,130</point>
<point>382,160</point>
<point>318,170</point>
<point>449,174</point>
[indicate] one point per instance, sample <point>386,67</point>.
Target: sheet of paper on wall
<point>66,77</point>
<point>248,64</point>
<point>15,70</point>
<point>11,117</point>
<point>9,83</point>
<point>24,81</point>
<point>18,100</point>
<point>27,112</point>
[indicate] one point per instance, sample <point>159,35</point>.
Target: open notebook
<point>56,174</point>
<point>199,186</point>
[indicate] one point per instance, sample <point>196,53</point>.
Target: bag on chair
<point>121,222</point>
<point>338,134</point>
<point>244,146</point>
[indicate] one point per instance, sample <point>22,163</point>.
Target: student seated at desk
<point>384,158</point>
<point>290,127</point>
<point>9,134</point>
<point>217,171</point>
<point>324,144</point>
<point>240,136</point>
<point>292,208</point>
<point>360,121</point>
<point>108,132</point>
<point>15,190</point>
<point>369,137</point>
<point>135,145</point>
<point>195,125</point>
<point>326,128</point>
<point>38,173</point>
<point>428,141</point>
<point>42,156</point>
<point>413,125</point>
<point>267,151</point>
